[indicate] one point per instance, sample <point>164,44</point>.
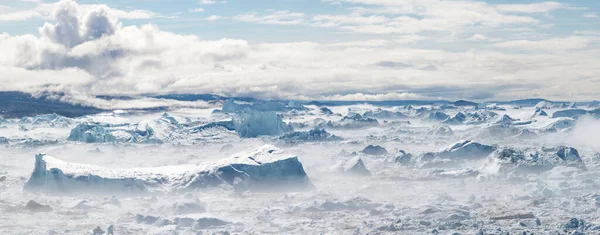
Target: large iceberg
<point>250,123</point>
<point>258,168</point>
<point>167,128</point>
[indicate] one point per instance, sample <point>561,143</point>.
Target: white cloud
<point>553,44</point>
<point>87,51</point>
<point>213,18</point>
<point>478,37</point>
<point>590,15</point>
<point>196,10</point>
<point>210,2</point>
<point>45,11</point>
<point>542,7</point>
<point>275,17</point>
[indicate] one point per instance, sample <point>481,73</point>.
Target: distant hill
<point>464,103</point>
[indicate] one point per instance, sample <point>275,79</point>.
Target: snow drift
<point>265,167</point>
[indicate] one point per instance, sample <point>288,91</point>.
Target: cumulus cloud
<point>46,11</point>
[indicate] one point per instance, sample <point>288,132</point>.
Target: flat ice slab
<point>257,168</point>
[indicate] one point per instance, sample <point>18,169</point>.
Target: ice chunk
<point>480,116</point>
<point>375,150</point>
<point>510,160</point>
<point>265,167</point>
<point>465,149</point>
<point>544,105</point>
<point>33,206</point>
<point>354,121</point>
<point>505,120</point>
<point>540,113</point>
<point>47,120</point>
<point>230,106</point>
<point>355,166</point>
<point>167,128</point>
<point>385,114</point>
<point>315,135</point>
<point>294,105</point>
<point>438,116</point>
<point>457,118</point>
<point>560,124</point>
<point>570,113</point>
<point>251,123</point>
<point>326,111</point>
<point>403,158</point>
<point>204,223</point>
<point>441,130</point>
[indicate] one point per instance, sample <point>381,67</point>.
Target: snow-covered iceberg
<point>266,167</point>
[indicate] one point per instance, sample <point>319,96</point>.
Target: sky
<point>304,49</point>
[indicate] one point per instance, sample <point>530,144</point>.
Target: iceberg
<point>263,168</point>
<point>251,123</point>
<point>540,113</point>
<point>438,116</point>
<point>480,116</point>
<point>374,150</point>
<point>354,121</point>
<point>46,120</point>
<point>570,113</point>
<point>511,160</point>
<point>505,120</point>
<point>314,135</point>
<point>465,149</point>
<point>355,166</point>
<point>458,118</point>
<point>162,130</point>
<point>326,111</point>
<point>544,105</point>
<point>560,124</point>
<point>384,114</point>
<point>441,130</point>
<point>294,105</point>
<point>231,106</point>
<point>403,158</point>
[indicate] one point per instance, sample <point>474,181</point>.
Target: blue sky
<point>307,49</point>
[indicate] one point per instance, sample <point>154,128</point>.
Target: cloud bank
<point>86,50</point>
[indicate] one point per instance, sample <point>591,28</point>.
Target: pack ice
<point>257,168</point>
